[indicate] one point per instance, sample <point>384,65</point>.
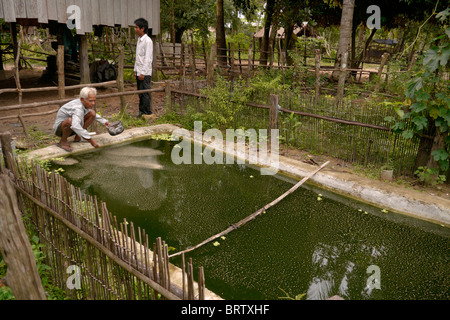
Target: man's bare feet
<point>65,146</point>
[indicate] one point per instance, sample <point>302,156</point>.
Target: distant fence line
<point>115,259</point>
<point>353,132</point>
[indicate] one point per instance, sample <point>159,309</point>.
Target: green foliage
<point>38,138</point>
<point>128,120</point>
<point>225,103</point>
<point>428,94</point>
<point>288,297</point>
<point>52,292</point>
<point>288,127</point>
<point>429,176</point>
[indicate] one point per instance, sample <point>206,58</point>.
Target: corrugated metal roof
<point>93,12</point>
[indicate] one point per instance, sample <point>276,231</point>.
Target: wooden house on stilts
<point>82,15</point>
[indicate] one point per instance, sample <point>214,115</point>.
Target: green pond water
<point>302,245</point>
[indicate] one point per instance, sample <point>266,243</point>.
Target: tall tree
<point>220,35</point>
<point>345,36</point>
<point>269,12</point>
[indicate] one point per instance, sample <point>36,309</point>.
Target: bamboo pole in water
<point>253,215</point>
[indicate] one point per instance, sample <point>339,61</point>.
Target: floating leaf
<point>319,199</point>
<point>215,244</point>
<point>384,211</point>
<point>223,237</point>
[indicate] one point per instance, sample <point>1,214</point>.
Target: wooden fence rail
<point>111,260</point>
<point>356,133</point>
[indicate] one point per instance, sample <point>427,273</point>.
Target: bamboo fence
<point>115,260</point>
<point>351,131</point>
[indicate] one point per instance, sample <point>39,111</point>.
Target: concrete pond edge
<point>377,193</point>
<point>399,200</point>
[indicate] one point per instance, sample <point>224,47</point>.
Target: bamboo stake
<point>255,214</point>
<point>190,274</point>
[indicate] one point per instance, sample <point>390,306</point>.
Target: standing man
<point>75,117</point>
<point>143,65</point>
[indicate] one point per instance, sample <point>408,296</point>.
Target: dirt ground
<point>42,125</point>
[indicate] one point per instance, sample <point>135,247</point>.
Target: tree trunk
<point>22,275</point>
<point>172,21</point>
<point>362,55</point>
<point>220,36</point>
<point>438,143</point>
<point>425,146</point>
<point>345,34</point>
<point>289,44</point>
<point>179,35</point>
<point>266,38</point>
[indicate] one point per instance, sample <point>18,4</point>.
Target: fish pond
<point>313,244</point>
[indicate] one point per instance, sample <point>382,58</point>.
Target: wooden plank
<point>20,7</point>
<point>79,3</point>
<point>150,13</point>
<point>95,12</point>
<point>117,13</point>
<point>42,13</point>
<point>32,9</point>
<point>102,12</point>
<point>124,13</point>
<point>137,10</point>
<point>110,10</point>
<point>52,11</point>
<point>1,10</point>
<point>131,17</point>
<point>255,214</point>
<point>106,9</point>
<point>9,10</point>
<point>143,9</point>
<point>61,10</point>
<point>87,14</point>
<point>156,16</point>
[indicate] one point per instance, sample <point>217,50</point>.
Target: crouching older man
<point>75,117</point>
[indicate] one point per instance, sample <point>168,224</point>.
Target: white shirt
<point>144,56</point>
<point>75,110</point>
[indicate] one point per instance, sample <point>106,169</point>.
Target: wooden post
<point>254,51</point>
<point>168,96</point>
<point>342,76</point>
<point>7,152</point>
<point>317,87</point>
<point>22,275</point>
<point>17,66</point>
<point>191,64</point>
<point>120,83</point>
<point>60,64</point>
<point>206,55</point>
<point>250,60</point>
<point>155,76</point>
<point>194,53</point>
<point>232,58</point>
<point>182,61</point>
<point>210,75</point>
<point>84,60</point>
<point>239,57</point>
<point>413,61</point>
<point>273,122</point>
<point>384,59</point>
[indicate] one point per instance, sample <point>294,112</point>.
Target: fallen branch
<point>253,215</point>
